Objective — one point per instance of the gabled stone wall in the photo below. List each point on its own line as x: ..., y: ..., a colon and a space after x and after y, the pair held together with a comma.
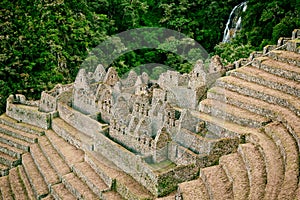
x: 23, y: 111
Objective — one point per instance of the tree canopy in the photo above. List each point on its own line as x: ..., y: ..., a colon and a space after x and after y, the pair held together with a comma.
x: 43, y: 43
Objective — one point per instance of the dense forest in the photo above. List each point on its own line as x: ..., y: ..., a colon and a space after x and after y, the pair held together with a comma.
x: 44, y: 42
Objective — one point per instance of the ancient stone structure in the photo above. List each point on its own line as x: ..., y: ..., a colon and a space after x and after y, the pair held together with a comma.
x: 109, y: 138
x: 259, y: 100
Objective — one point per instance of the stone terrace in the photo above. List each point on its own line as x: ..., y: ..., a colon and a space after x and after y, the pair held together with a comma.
x: 258, y: 102
x: 262, y: 100
x: 55, y: 169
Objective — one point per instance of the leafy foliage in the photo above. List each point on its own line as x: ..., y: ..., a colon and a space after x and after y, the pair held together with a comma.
x: 44, y: 42
x: 263, y: 23
x: 269, y: 20
x: 230, y: 52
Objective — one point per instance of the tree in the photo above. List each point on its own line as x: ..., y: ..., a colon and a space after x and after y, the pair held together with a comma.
x: 44, y: 43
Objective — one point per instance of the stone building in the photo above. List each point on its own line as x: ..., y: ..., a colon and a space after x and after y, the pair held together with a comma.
x: 142, y: 112
x: 206, y: 136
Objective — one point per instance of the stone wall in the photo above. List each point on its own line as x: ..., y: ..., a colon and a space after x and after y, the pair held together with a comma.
x: 181, y: 155
x: 124, y: 159
x: 159, y: 184
x: 28, y: 114
x: 168, y: 181
x: 194, y: 142
x: 48, y: 102
x: 294, y: 46
x: 21, y: 99
x: 80, y: 121
x: 188, y: 121
x: 140, y: 143
x: 85, y: 104
x: 127, y: 161
x: 185, y: 98
x: 83, y: 98
x: 169, y: 79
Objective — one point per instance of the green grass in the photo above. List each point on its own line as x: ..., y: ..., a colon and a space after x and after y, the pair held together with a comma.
x: 163, y: 166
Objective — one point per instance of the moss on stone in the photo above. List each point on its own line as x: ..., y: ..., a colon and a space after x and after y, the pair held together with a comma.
x: 166, y: 186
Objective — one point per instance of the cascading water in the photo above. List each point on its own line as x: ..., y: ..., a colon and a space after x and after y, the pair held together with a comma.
x: 234, y: 22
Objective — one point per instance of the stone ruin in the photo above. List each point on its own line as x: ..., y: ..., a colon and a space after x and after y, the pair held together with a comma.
x: 150, y: 119
x: 208, y: 136
x: 144, y: 115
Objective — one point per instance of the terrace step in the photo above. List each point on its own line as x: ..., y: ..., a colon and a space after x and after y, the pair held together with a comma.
x: 72, y: 135
x: 255, y: 168
x: 4, y: 170
x: 198, y: 144
x: 19, y: 192
x: 49, y: 197
x: 77, y: 187
x: 34, y: 176
x: 53, y: 157
x: 43, y: 165
x: 103, y: 167
x: 193, y: 190
x: 6, y: 191
x: 289, y: 151
x: 278, y: 68
x: 223, y: 128
x: 217, y: 183
x: 8, y: 160
x: 244, y: 102
x: 60, y: 192
x: 271, y: 156
x: 251, y: 104
x: 18, y: 134
x: 10, y: 150
x: 236, y: 172
x: 14, y: 142
x: 26, y: 183
x: 6, y: 120
x: 232, y: 113
x: 273, y: 111
x: 290, y: 120
x: 111, y: 195
x: 289, y: 57
x: 260, y: 92
x: 255, y: 75
x: 125, y: 185
x: 273, y: 162
x: 298, y: 193
x: 68, y: 152
x: 84, y: 171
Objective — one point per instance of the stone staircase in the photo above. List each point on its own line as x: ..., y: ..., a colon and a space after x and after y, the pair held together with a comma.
x: 124, y: 184
x: 261, y: 101
x: 72, y: 135
x: 15, y: 140
x: 52, y: 168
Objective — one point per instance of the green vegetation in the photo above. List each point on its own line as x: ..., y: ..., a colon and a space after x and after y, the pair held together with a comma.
x: 44, y: 42
x: 263, y: 23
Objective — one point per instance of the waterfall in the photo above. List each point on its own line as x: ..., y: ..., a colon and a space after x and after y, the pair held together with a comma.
x: 234, y: 22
